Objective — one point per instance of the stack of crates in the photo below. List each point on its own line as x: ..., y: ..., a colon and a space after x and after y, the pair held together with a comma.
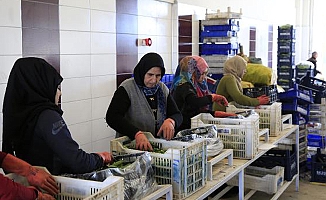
x: 286, y: 158
x: 317, y: 86
x: 218, y: 39
x: 261, y: 179
x: 318, y: 167
x: 304, y: 68
x: 285, y: 56
x: 241, y: 135
x: 316, y: 128
x: 167, y: 79
x: 297, y: 101
x: 183, y: 165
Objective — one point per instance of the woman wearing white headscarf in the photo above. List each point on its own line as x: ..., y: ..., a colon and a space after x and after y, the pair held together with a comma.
x: 230, y: 85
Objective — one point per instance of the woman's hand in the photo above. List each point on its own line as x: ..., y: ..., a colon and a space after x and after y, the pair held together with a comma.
x: 39, y: 178
x: 223, y: 114
x: 167, y: 129
x: 142, y: 142
x: 221, y: 100
x: 263, y: 99
x: 106, y: 156
x: 40, y: 195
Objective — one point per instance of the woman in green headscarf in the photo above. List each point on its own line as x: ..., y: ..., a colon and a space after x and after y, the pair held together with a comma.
x: 230, y: 85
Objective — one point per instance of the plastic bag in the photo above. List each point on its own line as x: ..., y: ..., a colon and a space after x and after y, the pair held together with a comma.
x: 138, y: 174
x: 209, y: 133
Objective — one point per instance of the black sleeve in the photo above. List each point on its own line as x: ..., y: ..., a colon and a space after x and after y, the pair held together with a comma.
x: 115, y: 115
x: 57, y: 136
x: 173, y: 111
x: 190, y: 97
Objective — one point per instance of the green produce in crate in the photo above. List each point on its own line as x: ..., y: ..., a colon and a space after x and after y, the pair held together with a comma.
x: 156, y: 148
x: 119, y: 164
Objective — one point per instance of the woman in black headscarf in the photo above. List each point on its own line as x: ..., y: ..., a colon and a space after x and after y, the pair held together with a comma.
x: 143, y: 104
x: 33, y: 127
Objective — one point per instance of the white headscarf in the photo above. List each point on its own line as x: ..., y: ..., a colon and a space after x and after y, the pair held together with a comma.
x: 235, y: 67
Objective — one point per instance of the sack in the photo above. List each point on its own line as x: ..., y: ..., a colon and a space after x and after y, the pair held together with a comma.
x: 258, y: 74
x: 209, y: 133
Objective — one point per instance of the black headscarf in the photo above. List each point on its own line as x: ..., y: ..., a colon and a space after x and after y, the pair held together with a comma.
x: 148, y: 61
x: 31, y: 89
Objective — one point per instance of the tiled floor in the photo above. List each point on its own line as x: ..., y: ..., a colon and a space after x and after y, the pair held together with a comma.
x: 307, y: 191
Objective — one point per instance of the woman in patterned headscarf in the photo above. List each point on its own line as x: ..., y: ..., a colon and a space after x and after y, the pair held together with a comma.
x: 190, y: 90
x: 143, y: 104
x: 230, y: 85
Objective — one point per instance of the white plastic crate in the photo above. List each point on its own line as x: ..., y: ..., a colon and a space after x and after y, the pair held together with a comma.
x: 241, y: 135
x: 183, y: 165
x: 216, y: 70
x: 77, y: 189
x: 261, y: 179
x: 220, y: 40
x: 224, y: 15
x: 270, y: 116
x: 215, y: 58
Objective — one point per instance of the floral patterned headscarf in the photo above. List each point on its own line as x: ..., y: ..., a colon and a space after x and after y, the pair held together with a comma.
x: 189, y: 70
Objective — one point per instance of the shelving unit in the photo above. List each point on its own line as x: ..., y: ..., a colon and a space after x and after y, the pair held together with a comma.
x: 285, y: 56
x: 218, y: 39
x: 226, y: 172
x: 162, y: 191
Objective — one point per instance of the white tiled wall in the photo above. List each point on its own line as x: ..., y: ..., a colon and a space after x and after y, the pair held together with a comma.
x: 155, y: 21
x: 88, y: 65
x: 10, y: 44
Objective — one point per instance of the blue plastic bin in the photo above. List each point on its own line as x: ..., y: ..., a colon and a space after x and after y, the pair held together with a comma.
x: 301, y: 94
x: 316, y: 141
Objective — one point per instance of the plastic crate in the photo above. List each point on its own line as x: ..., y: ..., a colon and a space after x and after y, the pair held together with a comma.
x: 77, y: 189
x: 215, y: 48
x: 285, y: 158
x: 299, y: 119
x: 285, y: 59
x: 287, y: 71
x: 219, y: 22
x: 220, y: 40
x: 225, y: 27
x: 167, y: 79
x: 318, y: 167
x: 297, y: 92
x: 286, y: 47
x: 270, y: 91
x: 261, y: 179
x: 223, y: 15
x: 314, y: 83
x: 286, y: 33
x: 316, y: 140
x: 270, y: 116
x: 183, y: 165
x: 241, y: 135
x: 212, y: 51
x: 294, y: 106
x: 218, y: 34
x: 216, y: 58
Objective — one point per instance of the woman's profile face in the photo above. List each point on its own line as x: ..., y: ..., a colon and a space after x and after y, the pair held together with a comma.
x: 57, y: 97
x: 243, y: 73
x: 152, y: 77
x: 203, y: 76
